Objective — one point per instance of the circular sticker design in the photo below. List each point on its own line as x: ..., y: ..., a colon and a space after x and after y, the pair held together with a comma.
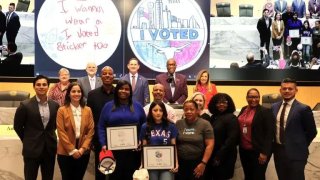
x: 74, y: 32
x: 163, y: 29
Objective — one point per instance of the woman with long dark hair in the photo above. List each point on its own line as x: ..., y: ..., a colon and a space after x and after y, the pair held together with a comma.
x: 122, y: 111
x: 75, y: 129
x: 159, y: 131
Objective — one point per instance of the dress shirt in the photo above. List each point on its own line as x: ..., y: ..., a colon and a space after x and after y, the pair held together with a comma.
x: 92, y: 81
x: 77, y: 119
x: 44, y: 111
x: 172, y: 85
x: 135, y: 78
x: 288, y: 107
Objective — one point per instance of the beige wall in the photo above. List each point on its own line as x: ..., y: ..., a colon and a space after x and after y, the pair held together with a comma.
x: 306, y: 94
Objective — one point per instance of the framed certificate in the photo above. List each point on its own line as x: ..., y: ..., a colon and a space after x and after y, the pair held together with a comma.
x: 294, y: 33
x: 159, y: 157
x: 306, y: 40
x: 122, y: 137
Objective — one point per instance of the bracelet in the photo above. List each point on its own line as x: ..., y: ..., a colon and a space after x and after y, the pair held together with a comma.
x: 204, y: 163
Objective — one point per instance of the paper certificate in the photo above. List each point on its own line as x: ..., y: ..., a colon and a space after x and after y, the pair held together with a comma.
x: 306, y: 40
x: 294, y: 33
x: 122, y: 137
x: 158, y: 157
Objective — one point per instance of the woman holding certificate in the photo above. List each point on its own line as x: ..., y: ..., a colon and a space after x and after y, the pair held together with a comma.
x: 194, y: 143
x: 159, y: 131
x: 118, y: 114
x: 293, y: 30
x: 75, y: 129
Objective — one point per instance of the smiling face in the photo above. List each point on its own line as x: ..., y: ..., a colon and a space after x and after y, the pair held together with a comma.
x: 133, y: 66
x: 41, y: 87
x: 190, y: 111
x: 288, y: 91
x: 204, y: 78
x: 253, y: 98
x: 171, y: 66
x: 64, y: 76
x: 107, y: 76
x: 157, y: 114
x: 158, y: 92
x: 124, y: 92
x: 91, y: 69
x: 222, y: 105
x: 75, y: 94
x: 199, y: 100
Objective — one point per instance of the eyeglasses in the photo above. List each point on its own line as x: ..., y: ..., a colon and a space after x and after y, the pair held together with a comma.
x: 253, y: 97
x: 222, y: 102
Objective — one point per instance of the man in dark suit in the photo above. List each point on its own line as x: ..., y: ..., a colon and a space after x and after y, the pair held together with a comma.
x: 175, y: 84
x: 295, y: 129
x: 299, y: 6
x: 140, y: 86
x: 314, y: 8
x: 2, y: 26
x: 13, y: 23
x: 91, y: 81
x: 35, y: 124
x: 280, y: 6
x: 96, y: 100
x: 14, y: 58
x: 263, y: 26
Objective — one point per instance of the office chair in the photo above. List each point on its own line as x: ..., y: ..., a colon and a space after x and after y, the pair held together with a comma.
x: 269, y: 99
x: 23, y: 5
x: 223, y: 9
x: 245, y: 10
x: 12, y: 98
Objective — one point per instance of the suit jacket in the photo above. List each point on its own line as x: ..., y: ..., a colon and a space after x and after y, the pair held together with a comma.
x: 276, y: 31
x: 85, y: 84
x: 29, y: 127
x: 262, y: 132
x: 13, y: 24
x: 13, y: 59
x: 300, y: 130
x: 299, y: 8
x: 3, y: 25
x: 141, y: 92
x: 181, y: 90
x: 66, y: 129
x: 277, y: 7
x: 263, y: 29
x: 313, y: 7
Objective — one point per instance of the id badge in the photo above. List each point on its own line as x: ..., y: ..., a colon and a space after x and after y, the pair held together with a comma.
x: 244, y: 130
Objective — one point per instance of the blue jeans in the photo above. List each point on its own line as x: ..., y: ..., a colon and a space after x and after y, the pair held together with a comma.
x: 160, y: 175
x: 306, y: 53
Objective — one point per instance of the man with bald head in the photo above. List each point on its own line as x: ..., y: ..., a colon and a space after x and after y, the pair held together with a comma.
x: 96, y: 100
x: 158, y: 95
x: 175, y: 84
x: 255, y: 64
x: 91, y: 81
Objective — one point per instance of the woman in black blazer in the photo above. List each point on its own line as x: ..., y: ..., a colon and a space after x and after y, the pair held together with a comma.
x: 256, y: 136
x: 226, y: 134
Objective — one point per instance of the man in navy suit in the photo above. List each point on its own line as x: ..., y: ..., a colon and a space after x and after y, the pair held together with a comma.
x: 35, y: 124
x: 2, y: 26
x: 175, y: 84
x: 295, y: 130
x: 13, y: 24
x: 140, y: 86
x: 299, y: 6
x: 263, y: 26
x: 314, y: 8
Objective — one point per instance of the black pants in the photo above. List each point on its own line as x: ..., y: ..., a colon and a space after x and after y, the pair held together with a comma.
x: 250, y: 164
x: 262, y: 43
x: 286, y: 168
x: 97, y: 149
x: 46, y: 163
x: 11, y: 36
x: 73, y: 169
x: 127, y: 161
x: 186, y: 168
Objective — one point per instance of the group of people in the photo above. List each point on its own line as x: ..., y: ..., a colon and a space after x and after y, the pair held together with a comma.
x: 205, y: 137
x: 10, y: 24
x: 295, y: 33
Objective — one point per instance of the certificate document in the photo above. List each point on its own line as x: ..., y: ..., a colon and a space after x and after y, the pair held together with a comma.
x: 122, y: 137
x: 294, y: 33
x: 306, y: 40
x: 159, y: 157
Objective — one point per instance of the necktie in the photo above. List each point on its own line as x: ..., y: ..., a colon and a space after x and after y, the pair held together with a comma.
x: 8, y: 17
x: 133, y: 83
x: 281, y: 132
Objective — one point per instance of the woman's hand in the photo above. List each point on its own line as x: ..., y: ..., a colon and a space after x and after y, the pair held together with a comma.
x: 199, y: 170
x: 104, y: 148
x: 76, y: 155
x: 175, y: 169
x: 262, y: 158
